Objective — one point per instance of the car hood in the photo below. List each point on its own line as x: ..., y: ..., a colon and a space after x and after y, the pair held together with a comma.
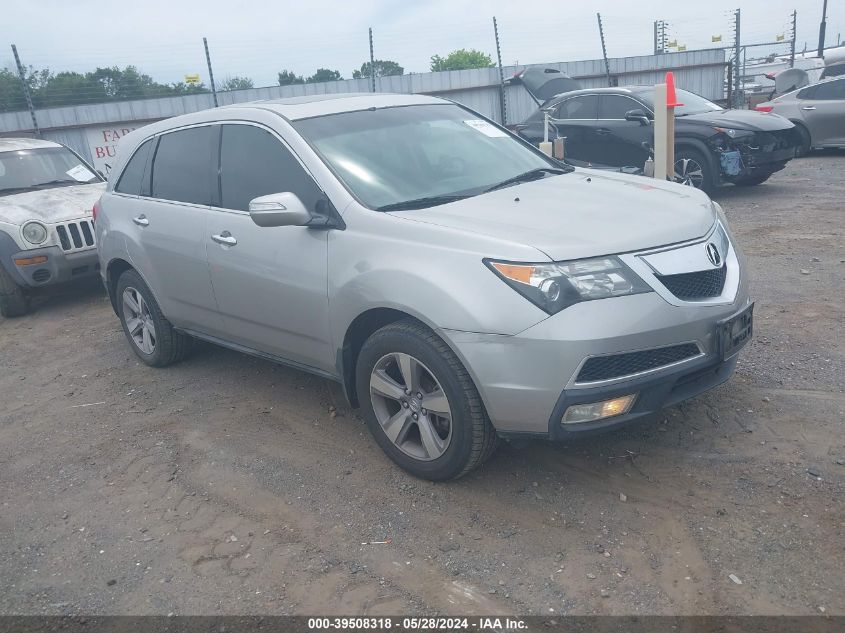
x: 582, y: 214
x: 50, y: 205
x: 740, y: 119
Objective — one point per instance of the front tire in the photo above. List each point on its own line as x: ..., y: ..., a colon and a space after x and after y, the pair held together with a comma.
x: 421, y: 404
x: 806, y: 141
x: 150, y: 334
x: 692, y: 168
x: 14, y: 300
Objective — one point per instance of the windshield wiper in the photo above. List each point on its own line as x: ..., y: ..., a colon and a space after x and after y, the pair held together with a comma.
x: 534, y: 174
x: 63, y: 181
x: 421, y: 203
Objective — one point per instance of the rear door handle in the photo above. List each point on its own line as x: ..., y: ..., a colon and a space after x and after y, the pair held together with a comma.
x: 808, y: 107
x: 602, y: 130
x: 225, y: 238
x: 141, y: 220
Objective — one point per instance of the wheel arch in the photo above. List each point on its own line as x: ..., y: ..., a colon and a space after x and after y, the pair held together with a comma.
x: 701, y: 147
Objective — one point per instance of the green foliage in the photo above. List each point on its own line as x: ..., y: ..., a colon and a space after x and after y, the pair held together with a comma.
x: 461, y: 59
x: 324, y: 74
x: 237, y: 83
x: 288, y: 78
x: 383, y: 68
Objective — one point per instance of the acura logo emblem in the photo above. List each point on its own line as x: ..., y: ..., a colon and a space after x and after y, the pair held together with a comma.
x: 713, y: 254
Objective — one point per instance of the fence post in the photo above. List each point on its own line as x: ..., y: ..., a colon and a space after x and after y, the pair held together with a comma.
x: 502, y: 105
x: 372, y: 64
x: 210, y: 74
x: 604, y: 50
x: 737, y: 96
x: 792, y: 43
x: 25, y: 88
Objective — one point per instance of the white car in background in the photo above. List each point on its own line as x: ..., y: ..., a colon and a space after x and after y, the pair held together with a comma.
x: 47, y: 193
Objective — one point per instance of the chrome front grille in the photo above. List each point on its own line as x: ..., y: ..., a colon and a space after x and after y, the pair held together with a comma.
x: 76, y: 235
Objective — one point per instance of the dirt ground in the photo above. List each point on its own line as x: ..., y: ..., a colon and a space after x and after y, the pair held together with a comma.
x: 228, y: 485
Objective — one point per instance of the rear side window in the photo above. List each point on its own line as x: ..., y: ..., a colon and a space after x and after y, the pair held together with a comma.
x: 615, y: 107
x: 830, y: 90
x: 579, y: 108
x: 183, y: 169
x: 133, y: 174
x: 255, y: 163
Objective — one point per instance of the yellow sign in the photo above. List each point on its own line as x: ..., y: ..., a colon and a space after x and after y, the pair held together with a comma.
x: 672, y: 44
x: 682, y: 48
x: 780, y: 38
x: 716, y: 38
x: 192, y: 79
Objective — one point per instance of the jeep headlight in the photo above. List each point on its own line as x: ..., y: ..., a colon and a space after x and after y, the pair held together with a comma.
x: 34, y: 232
x: 554, y: 286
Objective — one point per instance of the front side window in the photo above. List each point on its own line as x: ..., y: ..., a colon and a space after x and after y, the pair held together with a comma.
x: 254, y: 163
x: 183, y: 170
x: 585, y: 107
x: 42, y: 168
x: 830, y: 90
x: 389, y: 156
x: 615, y: 107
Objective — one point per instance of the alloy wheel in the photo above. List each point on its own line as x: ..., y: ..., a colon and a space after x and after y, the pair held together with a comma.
x: 411, y: 406
x: 689, y: 171
x: 139, y: 321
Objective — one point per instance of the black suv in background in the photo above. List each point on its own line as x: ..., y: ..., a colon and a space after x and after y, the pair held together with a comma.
x: 612, y: 127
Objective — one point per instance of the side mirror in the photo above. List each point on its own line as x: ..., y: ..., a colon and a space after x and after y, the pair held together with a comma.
x: 637, y: 115
x: 279, y: 209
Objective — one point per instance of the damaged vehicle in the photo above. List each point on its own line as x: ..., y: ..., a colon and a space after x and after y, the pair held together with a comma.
x: 613, y: 128
x: 47, y: 193
x: 457, y: 282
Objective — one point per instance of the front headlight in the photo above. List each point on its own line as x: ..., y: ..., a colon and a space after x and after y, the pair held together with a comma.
x: 557, y: 285
x: 34, y: 232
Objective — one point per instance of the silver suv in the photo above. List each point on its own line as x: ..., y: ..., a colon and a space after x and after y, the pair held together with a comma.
x: 459, y: 284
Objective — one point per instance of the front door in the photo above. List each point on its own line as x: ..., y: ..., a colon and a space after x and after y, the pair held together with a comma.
x: 270, y: 283
x: 621, y: 143
x: 824, y: 113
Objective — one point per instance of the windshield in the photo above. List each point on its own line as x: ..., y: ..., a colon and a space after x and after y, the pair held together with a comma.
x: 31, y: 169
x: 693, y: 104
x: 426, y: 153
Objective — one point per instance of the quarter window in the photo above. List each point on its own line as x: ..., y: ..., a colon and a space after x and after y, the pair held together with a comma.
x: 578, y: 108
x: 183, y: 168
x: 615, y: 107
x: 254, y: 163
x: 133, y: 174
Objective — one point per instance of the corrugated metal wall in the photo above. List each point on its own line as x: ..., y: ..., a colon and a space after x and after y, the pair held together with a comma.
x: 701, y: 72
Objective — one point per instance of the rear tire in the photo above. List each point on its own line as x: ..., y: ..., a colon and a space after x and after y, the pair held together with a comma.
x: 150, y: 334
x: 806, y: 141
x: 14, y: 300
x: 693, y: 168
x: 430, y: 446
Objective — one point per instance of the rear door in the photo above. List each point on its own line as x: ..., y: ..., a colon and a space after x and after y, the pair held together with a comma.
x: 575, y: 119
x: 619, y: 143
x: 823, y: 110
x: 166, y: 225
x: 270, y: 282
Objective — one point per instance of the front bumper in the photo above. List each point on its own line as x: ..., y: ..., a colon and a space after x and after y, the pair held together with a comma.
x: 60, y: 267
x: 527, y: 380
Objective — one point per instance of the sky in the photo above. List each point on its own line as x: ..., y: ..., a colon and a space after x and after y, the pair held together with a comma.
x: 257, y: 38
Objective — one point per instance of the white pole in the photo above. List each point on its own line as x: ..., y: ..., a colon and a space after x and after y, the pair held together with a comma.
x: 661, y: 120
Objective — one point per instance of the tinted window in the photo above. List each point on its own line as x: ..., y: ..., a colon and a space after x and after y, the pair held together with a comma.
x: 830, y: 90
x: 578, y: 108
x: 133, y: 174
x: 615, y: 107
x: 182, y: 168
x: 254, y: 163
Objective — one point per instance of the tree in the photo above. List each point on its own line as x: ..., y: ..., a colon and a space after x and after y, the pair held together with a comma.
x: 237, y: 83
x: 288, y: 78
x: 383, y: 68
x: 461, y: 59
x: 324, y: 74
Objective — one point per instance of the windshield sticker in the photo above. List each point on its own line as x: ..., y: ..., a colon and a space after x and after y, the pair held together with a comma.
x: 80, y: 173
x: 486, y: 128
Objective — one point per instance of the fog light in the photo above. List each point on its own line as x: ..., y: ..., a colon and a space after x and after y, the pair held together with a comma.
x: 29, y: 261
x: 598, y: 410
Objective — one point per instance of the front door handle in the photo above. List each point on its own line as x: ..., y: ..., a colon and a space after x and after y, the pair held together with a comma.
x: 141, y: 220
x: 225, y: 238
x: 602, y: 131
x: 808, y: 107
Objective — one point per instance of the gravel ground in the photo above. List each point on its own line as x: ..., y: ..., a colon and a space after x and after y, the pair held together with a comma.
x: 228, y: 485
